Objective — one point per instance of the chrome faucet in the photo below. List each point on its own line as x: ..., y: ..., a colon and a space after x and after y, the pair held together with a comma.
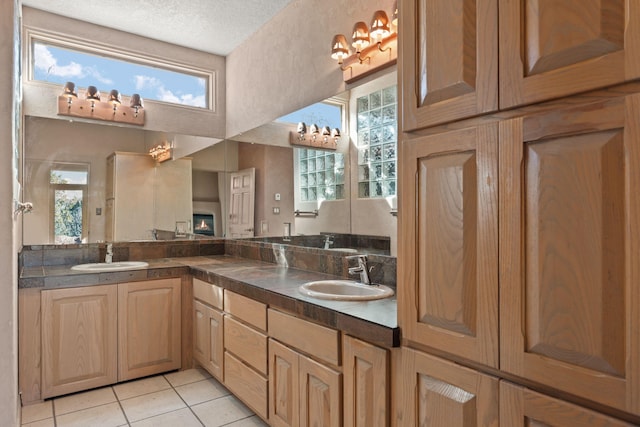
x: 328, y: 241
x: 362, y: 268
x: 108, y: 258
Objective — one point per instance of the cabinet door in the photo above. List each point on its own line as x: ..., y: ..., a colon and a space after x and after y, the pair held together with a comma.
x: 448, y: 274
x: 79, y: 339
x: 366, y: 384
x: 522, y: 407
x: 148, y: 328
x: 208, y: 341
x: 550, y: 49
x: 283, y: 385
x: 449, y: 60
x: 570, y: 245
x: 320, y: 395
x: 434, y: 392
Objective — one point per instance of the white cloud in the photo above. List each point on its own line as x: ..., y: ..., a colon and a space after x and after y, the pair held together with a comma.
x: 186, y: 99
x: 144, y: 82
x: 45, y: 61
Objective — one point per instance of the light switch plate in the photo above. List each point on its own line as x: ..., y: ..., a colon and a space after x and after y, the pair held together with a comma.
x: 276, y: 210
x: 277, y: 196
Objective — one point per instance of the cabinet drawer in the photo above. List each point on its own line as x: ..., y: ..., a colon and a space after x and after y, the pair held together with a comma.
x: 246, y: 343
x: 246, y: 309
x: 246, y: 383
x: 208, y: 293
x: 315, y: 340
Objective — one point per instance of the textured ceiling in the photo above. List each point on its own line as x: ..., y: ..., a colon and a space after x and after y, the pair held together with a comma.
x: 215, y: 26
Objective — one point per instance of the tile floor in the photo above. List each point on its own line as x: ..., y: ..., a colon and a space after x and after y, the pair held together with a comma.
x: 186, y: 398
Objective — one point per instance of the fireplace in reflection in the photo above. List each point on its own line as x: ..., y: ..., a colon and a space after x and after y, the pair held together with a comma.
x: 203, y: 223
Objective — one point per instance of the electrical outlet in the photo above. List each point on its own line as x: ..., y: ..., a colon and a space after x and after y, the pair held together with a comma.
x: 276, y: 210
x: 98, y: 211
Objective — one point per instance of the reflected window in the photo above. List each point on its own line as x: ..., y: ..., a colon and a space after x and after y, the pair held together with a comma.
x: 68, y: 188
x: 377, y: 143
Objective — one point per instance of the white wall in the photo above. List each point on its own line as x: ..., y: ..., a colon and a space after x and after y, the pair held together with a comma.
x: 286, y: 64
x: 9, y: 228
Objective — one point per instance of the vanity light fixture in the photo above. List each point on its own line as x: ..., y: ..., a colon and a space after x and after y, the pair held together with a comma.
x: 92, y: 107
x: 310, y: 139
x: 375, y: 46
x: 162, y: 152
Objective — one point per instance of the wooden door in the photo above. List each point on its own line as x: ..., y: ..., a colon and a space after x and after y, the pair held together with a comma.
x: 241, y: 203
x: 79, y: 339
x: 208, y: 336
x: 550, y: 49
x: 569, y: 250
x: 449, y: 60
x: 283, y: 386
x: 448, y: 269
x: 148, y: 328
x: 320, y: 395
x: 173, y: 199
x: 521, y: 407
x: 437, y: 393
x: 366, y: 384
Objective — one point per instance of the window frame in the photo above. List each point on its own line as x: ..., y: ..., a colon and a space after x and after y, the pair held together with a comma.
x: 92, y: 47
x: 79, y: 167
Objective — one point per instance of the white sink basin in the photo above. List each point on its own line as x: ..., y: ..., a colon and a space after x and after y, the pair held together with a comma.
x: 350, y: 250
x: 345, y: 290
x: 99, y: 267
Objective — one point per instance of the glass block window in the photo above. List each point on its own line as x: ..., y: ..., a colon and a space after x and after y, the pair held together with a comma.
x: 321, y: 175
x: 377, y: 143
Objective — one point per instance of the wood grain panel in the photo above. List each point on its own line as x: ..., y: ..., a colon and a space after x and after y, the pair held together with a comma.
x: 554, y: 48
x: 247, y: 384
x: 79, y: 339
x: 246, y: 343
x: 436, y: 392
x: 320, y: 395
x: 208, y: 293
x: 447, y: 246
x: 148, y: 327
x: 29, y: 345
x: 208, y: 339
x: 366, y: 384
x: 246, y: 309
x: 523, y: 407
x: 449, y: 60
x: 569, y: 250
x: 448, y: 280
x: 283, y: 385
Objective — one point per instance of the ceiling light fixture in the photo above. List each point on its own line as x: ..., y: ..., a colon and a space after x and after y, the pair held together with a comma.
x: 375, y: 46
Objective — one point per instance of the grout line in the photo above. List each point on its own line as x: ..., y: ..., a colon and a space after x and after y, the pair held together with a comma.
x: 185, y: 402
x: 120, y: 405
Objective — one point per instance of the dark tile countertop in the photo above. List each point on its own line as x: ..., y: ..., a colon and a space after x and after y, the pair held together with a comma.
x: 372, y: 321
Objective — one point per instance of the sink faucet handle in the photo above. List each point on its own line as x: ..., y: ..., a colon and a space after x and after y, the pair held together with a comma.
x: 362, y: 268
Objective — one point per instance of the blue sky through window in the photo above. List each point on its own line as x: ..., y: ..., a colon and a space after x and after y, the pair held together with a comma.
x: 58, y: 65
x: 320, y: 113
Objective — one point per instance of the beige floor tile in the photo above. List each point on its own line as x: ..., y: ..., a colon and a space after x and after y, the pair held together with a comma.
x: 254, y: 421
x: 109, y: 415
x: 88, y: 399
x: 42, y: 423
x: 139, y: 387
x: 221, y: 411
x: 37, y: 412
x: 201, y: 391
x: 149, y: 405
x: 188, y: 376
x: 181, y: 417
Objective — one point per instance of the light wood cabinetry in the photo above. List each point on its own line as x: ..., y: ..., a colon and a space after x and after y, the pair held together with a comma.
x: 523, y: 407
x: 570, y: 245
x: 449, y: 60
x: 149, y: 327
x: 79, y: 339
x: 366, y: 384
x: 448, y: 274
x: 554, y: 49
x: 208, y: 333
x: 436, y: 392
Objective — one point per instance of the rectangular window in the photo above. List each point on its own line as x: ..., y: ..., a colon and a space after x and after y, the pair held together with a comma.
x: 377, y: 143
x: 56, y: 64
x: 68, y: 185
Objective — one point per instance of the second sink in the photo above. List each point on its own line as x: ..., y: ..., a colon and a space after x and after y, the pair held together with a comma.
x: 345, y: 290
x: 99, y: 267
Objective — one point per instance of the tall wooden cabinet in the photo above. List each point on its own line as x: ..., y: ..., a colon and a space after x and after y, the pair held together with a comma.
x: 208, y: 332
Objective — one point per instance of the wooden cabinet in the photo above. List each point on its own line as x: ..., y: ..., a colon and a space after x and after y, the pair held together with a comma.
x: 208, y: 334
x: 208, y: 338
x: 366, y: 384
x: 570, y: 245
x: 148, y: 327
x: 436, y: 392
x: 449, y: 60
x: 79, y: 339
x: 523, y: 407
x: 550, y: 49
x: 448, y: 274
x: 303, y: 392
